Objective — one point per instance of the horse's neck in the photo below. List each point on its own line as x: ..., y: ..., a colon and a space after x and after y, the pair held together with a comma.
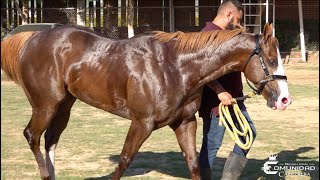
x: 211, y: 64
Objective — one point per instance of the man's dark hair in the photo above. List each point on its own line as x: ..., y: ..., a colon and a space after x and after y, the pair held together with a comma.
x: 227, y: 3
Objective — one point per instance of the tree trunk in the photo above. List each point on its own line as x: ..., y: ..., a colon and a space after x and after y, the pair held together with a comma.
x: 24, y: 13
x: 130, y: 18
x: 123, y: 13
x: 81, y: 13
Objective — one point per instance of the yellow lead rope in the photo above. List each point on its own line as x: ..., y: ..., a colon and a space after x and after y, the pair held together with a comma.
x: 245, y: 129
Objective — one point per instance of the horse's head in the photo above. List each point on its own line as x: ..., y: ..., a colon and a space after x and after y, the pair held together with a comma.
x: 268, y: 76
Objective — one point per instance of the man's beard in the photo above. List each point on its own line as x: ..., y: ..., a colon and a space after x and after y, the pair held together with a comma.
x: 231, y: 25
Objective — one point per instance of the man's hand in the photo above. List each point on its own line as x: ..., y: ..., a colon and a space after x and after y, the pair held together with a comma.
x: 223, y: 95
x: 225, y: 98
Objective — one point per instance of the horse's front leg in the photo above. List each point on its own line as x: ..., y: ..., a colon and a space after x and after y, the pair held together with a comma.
x: 138, y: 132
x: 186, y: 135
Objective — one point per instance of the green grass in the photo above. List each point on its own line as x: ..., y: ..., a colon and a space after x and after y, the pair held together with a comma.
x: 91, y: 144
x: 301, y: 91
x: 97, y: 135
x: 304, y: 91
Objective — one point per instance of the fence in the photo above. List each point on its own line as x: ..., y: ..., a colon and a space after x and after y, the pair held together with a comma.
x: 113, y: 21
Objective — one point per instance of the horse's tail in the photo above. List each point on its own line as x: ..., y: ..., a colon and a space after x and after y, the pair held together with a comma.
x: 10, y: 54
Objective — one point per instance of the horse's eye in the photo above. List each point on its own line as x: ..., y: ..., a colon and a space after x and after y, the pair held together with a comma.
x: 273, y: 62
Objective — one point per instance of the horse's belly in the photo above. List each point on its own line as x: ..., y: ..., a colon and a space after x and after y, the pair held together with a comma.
x: 101, y: 102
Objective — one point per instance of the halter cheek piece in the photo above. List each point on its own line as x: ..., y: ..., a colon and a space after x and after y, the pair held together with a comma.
x: 268, y: 77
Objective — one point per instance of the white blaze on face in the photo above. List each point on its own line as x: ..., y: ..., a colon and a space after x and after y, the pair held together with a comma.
x: 284, y: 98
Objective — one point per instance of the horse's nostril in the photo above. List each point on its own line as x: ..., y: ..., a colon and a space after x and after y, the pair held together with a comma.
x: 284, y: 100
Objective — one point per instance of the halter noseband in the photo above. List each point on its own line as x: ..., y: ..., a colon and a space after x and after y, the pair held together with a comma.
x: 268, y: 77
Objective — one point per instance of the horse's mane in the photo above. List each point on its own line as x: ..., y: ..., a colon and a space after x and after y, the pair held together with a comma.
x: 192, y: 41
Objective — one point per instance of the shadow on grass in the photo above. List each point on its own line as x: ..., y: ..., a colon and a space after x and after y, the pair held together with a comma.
x: 173, y: 164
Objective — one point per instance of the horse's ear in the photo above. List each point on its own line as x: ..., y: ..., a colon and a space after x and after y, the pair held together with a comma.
x: 267, y: 31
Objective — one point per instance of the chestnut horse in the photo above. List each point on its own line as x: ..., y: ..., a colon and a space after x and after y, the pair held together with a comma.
x: 153, y: 79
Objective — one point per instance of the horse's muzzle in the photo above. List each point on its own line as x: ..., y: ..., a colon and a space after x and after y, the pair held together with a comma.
x: 282, y: 102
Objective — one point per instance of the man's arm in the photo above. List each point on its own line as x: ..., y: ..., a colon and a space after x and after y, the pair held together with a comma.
x: 223, y: 95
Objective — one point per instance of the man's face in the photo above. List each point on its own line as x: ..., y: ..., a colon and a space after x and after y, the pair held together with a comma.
x: 235, y: 20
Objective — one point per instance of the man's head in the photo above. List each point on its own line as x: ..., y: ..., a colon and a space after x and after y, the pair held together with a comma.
x: 229, y: 14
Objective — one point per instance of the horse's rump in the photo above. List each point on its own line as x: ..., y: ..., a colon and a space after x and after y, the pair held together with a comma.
x: 10, y: 50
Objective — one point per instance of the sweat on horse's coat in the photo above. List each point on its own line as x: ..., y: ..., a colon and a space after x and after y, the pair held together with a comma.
x: 152, y: 79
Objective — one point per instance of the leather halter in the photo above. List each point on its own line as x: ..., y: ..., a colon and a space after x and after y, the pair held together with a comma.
x: 268, y: 77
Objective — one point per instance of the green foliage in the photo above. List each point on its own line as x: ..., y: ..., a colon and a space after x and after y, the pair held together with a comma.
x: 3, y: 32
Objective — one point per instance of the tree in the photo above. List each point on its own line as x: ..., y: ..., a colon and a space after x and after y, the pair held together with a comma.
x: 130, y: 18
x: 81, y: 12
x: 24, y: 13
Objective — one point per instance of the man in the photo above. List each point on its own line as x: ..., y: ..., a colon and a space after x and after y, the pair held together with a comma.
x: 222, y: 90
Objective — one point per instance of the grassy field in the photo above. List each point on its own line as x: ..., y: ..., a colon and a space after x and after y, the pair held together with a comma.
x: 90, y: 146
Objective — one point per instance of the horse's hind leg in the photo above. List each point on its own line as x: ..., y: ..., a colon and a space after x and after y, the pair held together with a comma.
x: 186, y: 132
x: 137, y: 134
x: 44, y: 104
x: 38, y: 124
x: 58, y: 124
